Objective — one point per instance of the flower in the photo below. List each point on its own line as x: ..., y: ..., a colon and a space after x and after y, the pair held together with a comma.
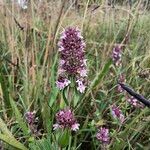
x: 103, y: 135
x: 75, y: 127
x: 134, y: 102
x: 116, y: 55
x: 71, y: 47
x: 81, y: 87
x: 61, y: 83
x: 83, y: 72
x: 72, y: 62
x: 117, y: 114
x: 65, y: 119
x: 30, y: 117
x: 32, y: 121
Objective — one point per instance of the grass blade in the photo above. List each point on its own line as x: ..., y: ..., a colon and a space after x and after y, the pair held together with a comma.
x: 18, y: 116
x: 9, y: 138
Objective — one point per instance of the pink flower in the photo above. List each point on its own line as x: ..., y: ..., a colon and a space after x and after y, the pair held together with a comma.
x: 61, y: 62
x: 61, y: 71
x: 117, y: 114
x: 65, y: 119
x: 56, y: 126
x: 30, y: 117
x: 83, y: 72
x: 62, y: 83
x: 71, y: 46
x: 81, y: 87
x: 103, y: 135
x: 134, y: 102
x: 75, y: 127
x: 116, y: 55
x: 72, y: 57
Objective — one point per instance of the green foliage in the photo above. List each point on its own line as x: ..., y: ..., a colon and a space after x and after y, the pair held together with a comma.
x: 28, y: 73
x: 7, y: 137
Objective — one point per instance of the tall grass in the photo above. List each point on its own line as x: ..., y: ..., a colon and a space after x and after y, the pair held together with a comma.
x: 28, y: 72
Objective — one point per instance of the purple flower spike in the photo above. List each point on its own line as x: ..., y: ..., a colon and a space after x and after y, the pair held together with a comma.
x: 103, y: 135
x: 32, y: 121
x: 117, y: 114
x: 116, y: 55
x: 30, y: 117
x: 65, y: 119
x: 71, y: 47
x: 72, y: 59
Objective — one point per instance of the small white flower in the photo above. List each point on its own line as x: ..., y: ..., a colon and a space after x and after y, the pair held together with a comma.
x: 81, y: 87
x: 23, y: 4
x: 75, y: 127
x: 83, y: 73
x: 62, y: 84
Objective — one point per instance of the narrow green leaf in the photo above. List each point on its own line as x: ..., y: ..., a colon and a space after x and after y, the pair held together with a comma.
x: 5, y: 91
x: 53, y: 96
x: 8, y: 137
x: 19, y: 117
x: 3, y: 128
x: 97, y: 80
x: 64, y: 97
x: 46, y: 115
x: 54, y: 89
x: 63, y: 139
x: 12, y: 141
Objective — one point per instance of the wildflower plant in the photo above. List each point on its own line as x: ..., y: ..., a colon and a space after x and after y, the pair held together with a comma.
x: 103, y: 135
x: 65, y: 119
x: 30, y: 117
x: 31, y: 120
x: 72, y: 112
x: 72, y: 63
x: 72, y: 70
x: 134, y: 102
x: 117, y: 114
x: 121, y: 79
x: 116, y: 56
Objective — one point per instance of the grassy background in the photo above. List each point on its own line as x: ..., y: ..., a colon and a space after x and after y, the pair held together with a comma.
x: 28, y: 71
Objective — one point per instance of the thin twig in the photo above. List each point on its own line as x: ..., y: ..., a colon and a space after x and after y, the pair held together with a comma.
x: 135, y: 95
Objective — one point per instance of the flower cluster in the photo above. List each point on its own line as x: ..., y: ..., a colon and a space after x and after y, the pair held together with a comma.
x: 103, y: 135
x: 32, y: 121
x: 65, y: 119
x: 134, y: 102
x: 116, y: 55
x: 72, y: 60
x: 117, y: 114
x: 30, y: 117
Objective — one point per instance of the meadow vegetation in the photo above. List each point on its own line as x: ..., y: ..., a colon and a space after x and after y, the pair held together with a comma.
x: 29, y: 60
